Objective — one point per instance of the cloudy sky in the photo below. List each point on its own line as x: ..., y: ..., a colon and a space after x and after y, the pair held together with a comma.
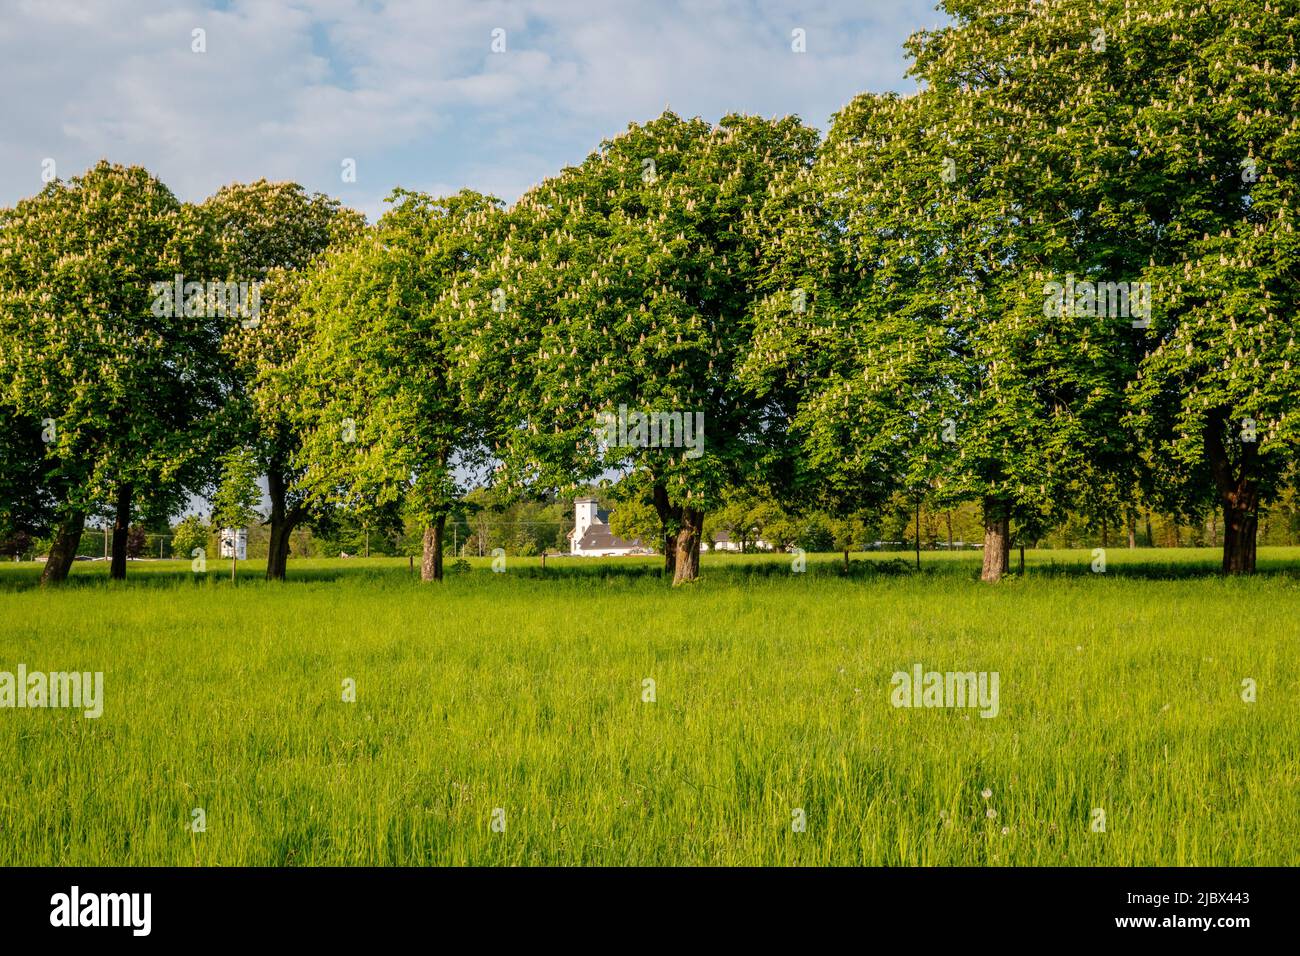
x: 413, y: 92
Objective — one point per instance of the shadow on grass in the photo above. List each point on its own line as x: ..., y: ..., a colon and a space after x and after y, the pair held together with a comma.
x: 587, y: 572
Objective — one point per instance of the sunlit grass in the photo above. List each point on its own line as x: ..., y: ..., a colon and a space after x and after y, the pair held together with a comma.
x: 523, y: 691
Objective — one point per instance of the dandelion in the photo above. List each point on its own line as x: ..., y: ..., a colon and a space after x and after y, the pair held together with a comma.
x: 1006, y: 830
x: 990, y: 813
x: 986, y: 793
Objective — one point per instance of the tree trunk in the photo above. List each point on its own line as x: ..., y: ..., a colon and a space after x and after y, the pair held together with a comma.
x: 1022, y: 559
x: 121, y: 525
x: 1240, y: 523
x: 63, y: 550
x: 1239, y: 495
x: 1151, y: 541
x: 431, y: 559
x: 668, y: 517
x: 846, y: 560
x: 1132, y: 530
x: 1105, y: 535
x: 997, y: 540
x: 948, y: 518
x: 277, y: 554
x: 283, y: 520
x: 688, y: 547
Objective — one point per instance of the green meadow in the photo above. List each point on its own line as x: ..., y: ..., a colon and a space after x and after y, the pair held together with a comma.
x: 509, y: 719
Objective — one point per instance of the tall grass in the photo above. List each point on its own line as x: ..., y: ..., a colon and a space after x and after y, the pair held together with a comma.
x: 524, y: 691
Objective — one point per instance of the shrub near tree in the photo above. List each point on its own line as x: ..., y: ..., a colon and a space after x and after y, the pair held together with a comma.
x: 235, y: 503
x: 189, y: 535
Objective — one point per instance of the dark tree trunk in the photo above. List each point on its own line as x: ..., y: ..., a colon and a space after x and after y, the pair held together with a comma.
x: 948, y: 518
x: 688, y: 547
x: 1240, y: 524
x: 1151, y: 541
x: 1239, y: 496
x: 63, y: 550
x: 1022, y: 559
x: 277, y: 555
x: 997, y: 540
x: 121, y: 525
x: 431, y: 559
x: 283, y: 520
x: 846, y: 560
x: 1105, y: 535
x: 669, y: 517
x: 1132, y: 530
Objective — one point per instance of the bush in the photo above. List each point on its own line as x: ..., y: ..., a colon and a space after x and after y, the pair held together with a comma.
x: 189, y: 534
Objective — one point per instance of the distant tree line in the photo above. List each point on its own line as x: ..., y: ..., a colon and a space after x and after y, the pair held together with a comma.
x: 1058, y: 284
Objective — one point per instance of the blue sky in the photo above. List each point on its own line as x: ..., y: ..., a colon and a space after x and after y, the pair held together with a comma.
x: 412, y: 91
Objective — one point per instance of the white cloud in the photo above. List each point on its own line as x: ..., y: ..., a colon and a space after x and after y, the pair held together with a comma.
x: 409, y: 89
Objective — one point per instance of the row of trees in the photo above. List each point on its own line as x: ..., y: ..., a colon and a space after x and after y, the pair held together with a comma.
x: 921, y: 304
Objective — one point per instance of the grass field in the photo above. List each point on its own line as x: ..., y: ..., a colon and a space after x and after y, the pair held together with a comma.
x: 524, y: 690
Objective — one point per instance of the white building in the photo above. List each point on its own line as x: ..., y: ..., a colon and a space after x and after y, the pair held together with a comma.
x: 722, y: 541
x: 591, y: 537
x: 234, y: 543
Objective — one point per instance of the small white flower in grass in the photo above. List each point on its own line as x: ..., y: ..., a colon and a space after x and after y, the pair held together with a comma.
x: 1006, y: 830
x: 990, y: 813
x: 986, y: 793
